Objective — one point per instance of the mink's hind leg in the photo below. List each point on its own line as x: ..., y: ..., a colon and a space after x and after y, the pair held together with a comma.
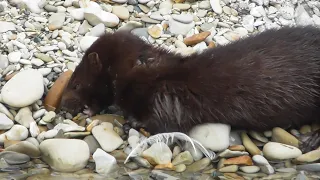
x: 310, y: 141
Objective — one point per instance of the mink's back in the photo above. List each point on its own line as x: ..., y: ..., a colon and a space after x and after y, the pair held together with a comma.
x: 260, y: 82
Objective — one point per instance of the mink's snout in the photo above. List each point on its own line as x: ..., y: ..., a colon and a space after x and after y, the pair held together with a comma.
x: 71, y: 105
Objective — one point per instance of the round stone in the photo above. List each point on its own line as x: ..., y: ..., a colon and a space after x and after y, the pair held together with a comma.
x: 23, y: 89
x: 65, y: 155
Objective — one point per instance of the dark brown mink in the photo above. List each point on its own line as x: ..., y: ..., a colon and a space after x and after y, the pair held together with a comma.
x: 270, y: 79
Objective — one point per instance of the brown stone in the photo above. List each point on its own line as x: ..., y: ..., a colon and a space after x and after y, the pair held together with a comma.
x: 43, y: 128
x: 119, y: 155
x: 211, y: 44
x: 8, y: 77
x: 169, y: 166
x: 53, y: 98
x: 165, y: 26
x: 241, y: 160
x: 7, y: 143
x: 197, y: 38
x: 250, y: 146
x: 179, y: 1
x: 237, y: 148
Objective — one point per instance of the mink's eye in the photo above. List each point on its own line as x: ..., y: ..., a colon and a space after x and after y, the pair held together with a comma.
x: 77, y: 87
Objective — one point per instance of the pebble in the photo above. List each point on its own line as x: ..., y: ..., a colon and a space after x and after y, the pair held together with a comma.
x: 198, y: 165
x: 25, y: 147
x: 212, y: 136
x: 121, y: 11
x: 14, y: 158
x: 5, y: 122
x: 107, y: 138
x: 197, y: 38
x: 216, y: 7
x: 183, y: 18
x: 279, y: 151
x: 16, y: 133
x: 155, y: 31
x: 56, y: 21
x: 97, y: 30
x: 158, y: 153
x: 105, y: 163
x: 7, y: 26
x: 311, y: 156
x: 282, y: 136
x: 249, y: 145
x: 177, y: 27
x: 231, y: 168
x: 24, y: 117
x: 71, y: 154
x: 14, y: 57
x: 250, y: 169
x: 86, y: 42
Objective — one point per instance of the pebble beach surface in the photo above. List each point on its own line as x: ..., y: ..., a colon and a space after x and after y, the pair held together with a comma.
x: 43, y: 41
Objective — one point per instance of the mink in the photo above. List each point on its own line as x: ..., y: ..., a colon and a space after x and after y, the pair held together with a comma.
x: 269, y: 79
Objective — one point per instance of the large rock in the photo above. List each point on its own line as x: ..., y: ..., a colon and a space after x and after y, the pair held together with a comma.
x: 23, y: 89
x: 65, y: 155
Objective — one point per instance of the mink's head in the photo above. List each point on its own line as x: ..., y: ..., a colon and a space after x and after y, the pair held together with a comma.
x: 88, y: 87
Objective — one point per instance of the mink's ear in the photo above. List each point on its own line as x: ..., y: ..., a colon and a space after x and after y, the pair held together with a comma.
x: 95, y: 63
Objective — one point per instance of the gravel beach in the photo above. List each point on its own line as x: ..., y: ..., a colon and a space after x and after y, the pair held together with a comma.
x: 43, y: 41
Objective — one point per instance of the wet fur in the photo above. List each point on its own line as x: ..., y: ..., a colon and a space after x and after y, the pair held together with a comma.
x: 263, y: 81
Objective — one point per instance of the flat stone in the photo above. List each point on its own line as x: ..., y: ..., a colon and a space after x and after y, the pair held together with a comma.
x: 250, y: 146
x: 183, y: 158
x: 309, y: 167
x: 241, y: 160
x: 231, y: 168
x: 279, y: 151
x: 92, y: 143
x: 228, y: 154
x: 25, y: 147
x: 121, y: 11
x: 5, y: 122
x: 198, y: 165
x: 108, y: 139
x: 56, y: 21
x: 282, y: 136
x: 250, y: 169
x: 13, y: 158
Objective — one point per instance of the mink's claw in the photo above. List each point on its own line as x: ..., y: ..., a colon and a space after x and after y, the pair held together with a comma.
x: 88, y: 111
x: 310, y: 141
